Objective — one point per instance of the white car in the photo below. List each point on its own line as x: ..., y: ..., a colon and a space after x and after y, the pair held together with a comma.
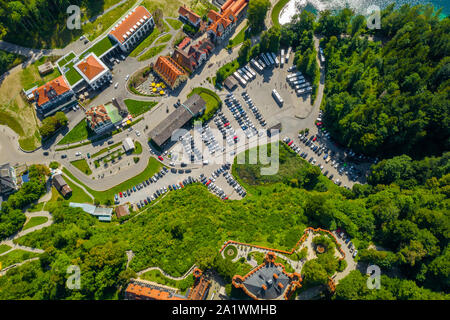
x: 138, y: 133
x: 116, y: 85
x: 126, y: 78
x: 78, y: 154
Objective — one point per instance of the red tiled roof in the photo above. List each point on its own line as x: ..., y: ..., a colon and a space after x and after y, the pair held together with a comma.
x: 57, y: 87
x: 168, y: 69
x: 146, y: 292
x: 133, y: 19
x: 97, y: 115
x: 90, y: 67
x: 184, y: 43
x: 189, y: 14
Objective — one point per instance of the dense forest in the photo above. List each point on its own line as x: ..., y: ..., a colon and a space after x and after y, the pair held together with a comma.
x: 33, y: 23
x: 9, y: 60
x: 388, y: 97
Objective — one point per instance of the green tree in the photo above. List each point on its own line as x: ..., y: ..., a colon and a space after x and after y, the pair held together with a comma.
x: 256, y: 14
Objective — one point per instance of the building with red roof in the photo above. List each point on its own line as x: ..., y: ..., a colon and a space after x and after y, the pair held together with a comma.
x: 52, y: 96
x: 93, y: 71
x: 129, y: 31
x: 221, y: 25
x: 189, y: 16
x: 170, y: 71
x: 194, y: 55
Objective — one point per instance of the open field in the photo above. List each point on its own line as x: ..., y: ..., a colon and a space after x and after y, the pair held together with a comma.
x: 78, y: 133
x: 136, y: 107
x: 34, y: 221
x: 16, y: 113
x: 82, y: 165
x: 152, y: 167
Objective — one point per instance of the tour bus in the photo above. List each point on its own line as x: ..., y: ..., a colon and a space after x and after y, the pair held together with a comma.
x: 269, y: 58
x: 252, y: 72
x: 248, y: 74
x: 261, y: 63
x: 297, y: 82
x: 288, y: 54
x: 243, y: 75
x: 266, y: 61
x: 282, y: 54
x: 281, y: 61
x: 304, y: 85
x: 274, y: 56
x: 239, y: 78
x: 322, y: 56
x: 295, y: 78
x: 277, y: 97
x: 256, y: 65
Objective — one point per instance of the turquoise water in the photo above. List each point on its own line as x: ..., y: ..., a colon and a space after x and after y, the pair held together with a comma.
x: 360, y: 6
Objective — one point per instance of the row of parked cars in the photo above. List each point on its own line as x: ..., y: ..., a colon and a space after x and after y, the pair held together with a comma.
x: 209, y: 183
x: 254, y: 109
x: 232, y: 182
x: 171, y: 187
x: 143, y: 184
x: 341, y: 234
x: 240, y: 115
x: 189, y: 146
x: 225, y: 127
x: 209, y: 140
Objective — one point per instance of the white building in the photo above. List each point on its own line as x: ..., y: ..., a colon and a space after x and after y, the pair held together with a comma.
x: 93, y: 71
x: 132, y: 28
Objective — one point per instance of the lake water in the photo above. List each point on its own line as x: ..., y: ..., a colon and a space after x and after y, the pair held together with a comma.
x: 360, y: 6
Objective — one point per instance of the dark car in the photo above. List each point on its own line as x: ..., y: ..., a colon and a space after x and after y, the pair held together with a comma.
x: 45, y: 153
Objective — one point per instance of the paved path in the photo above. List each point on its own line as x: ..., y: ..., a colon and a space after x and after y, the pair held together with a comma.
x: 168, y: 275
x: 79, y: 185
x: 5, y: 270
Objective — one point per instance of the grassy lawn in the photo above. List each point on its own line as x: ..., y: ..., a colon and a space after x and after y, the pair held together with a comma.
x: 4, y: 248
x: 169, y: 7
x: 150, y: 53
x: 82, y: 165
x: 276, y: 11
x: 213, y: 102
x: 100, y: 47
x: 164, y: 38
x: 78, y: 194
x: 158, y: 277
x: 240, y: 37
x: 145, y: 43
x: 66, y: 59
x: 72, y: 75
x: 36, y: 207
x: 136, y: 107
x: 34, y: 221
x: 175, y: 24
x: 137, y: 147
x: 102, y: 151
x: 16, y: 256
x: 78, y: 133
x: 153, y: 166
